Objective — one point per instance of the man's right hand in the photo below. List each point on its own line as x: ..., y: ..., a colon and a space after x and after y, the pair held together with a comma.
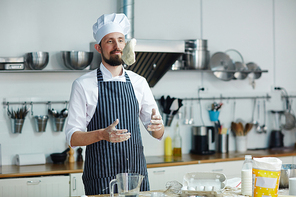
x: 111, y: 134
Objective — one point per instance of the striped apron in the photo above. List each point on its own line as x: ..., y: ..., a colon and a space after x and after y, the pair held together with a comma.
x: 103, y: 159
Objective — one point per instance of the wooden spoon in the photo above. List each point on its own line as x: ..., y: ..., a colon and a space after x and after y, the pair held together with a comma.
x: 234, y: 128
x: 248, y: 128
x: 241, y: 128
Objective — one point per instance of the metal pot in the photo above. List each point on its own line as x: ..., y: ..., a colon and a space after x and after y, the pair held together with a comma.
x: 196, y: 59
x: 196, y: 44
x: 287, y: 171
x: 196, y: 55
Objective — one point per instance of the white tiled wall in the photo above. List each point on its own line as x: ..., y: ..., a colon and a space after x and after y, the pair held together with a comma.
x: 248, y: 26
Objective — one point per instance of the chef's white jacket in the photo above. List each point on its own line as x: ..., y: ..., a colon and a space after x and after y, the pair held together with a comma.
x: 84, y: 98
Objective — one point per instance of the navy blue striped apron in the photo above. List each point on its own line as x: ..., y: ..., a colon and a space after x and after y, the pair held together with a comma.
x: 103, y: 159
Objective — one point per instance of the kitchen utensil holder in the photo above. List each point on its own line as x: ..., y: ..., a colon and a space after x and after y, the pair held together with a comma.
x: 41, y: 122
x: 17, y: 125
x: 58, y: 124
x: 168, y: 119
x: 222, y: 143
x: 241, y: 143
x: 214, y: 115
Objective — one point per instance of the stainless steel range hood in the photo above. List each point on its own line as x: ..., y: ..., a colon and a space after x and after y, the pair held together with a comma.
x: 153, y: 58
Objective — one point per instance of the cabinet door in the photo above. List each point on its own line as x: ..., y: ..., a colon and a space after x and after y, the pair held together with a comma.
x: 231, y: 169
x: 51, y: 186
x: 286, y: 160
x: 76, y: 184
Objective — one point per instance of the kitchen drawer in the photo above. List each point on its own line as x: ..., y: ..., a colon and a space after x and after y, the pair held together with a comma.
x: 51, y: 186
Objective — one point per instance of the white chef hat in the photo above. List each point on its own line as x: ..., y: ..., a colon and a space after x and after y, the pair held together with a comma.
x: 109, y: 23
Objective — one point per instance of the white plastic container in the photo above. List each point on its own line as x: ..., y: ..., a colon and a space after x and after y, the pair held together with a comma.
x: 246, y: 176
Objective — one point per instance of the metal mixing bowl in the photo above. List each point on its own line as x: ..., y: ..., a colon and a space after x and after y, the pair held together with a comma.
x: 287, y: 171
x: 36, y: 60
x: 77, y: 60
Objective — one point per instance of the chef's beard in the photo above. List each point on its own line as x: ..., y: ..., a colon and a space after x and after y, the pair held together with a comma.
x: 114, y: 60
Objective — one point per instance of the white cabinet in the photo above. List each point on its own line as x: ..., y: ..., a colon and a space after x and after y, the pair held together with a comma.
x: 287, y: 160
x: 50, y: 186
x: 158, y: 177
x: 231, y: 169
x: 76, y: 184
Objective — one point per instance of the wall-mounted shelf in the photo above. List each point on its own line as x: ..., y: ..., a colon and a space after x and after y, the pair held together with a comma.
x: 227, y: 71
x: 43, y: 71
x: 221, y: 97
x: 6, y: 103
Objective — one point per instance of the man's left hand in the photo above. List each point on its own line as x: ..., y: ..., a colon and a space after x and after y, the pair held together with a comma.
x: 156, y: 122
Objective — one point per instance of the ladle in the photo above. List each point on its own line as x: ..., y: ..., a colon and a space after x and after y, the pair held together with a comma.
x: 255, y: 123
x: 191, y: 121
x: 258, y: 127
x: 264, y: 127
x: 186, y: 120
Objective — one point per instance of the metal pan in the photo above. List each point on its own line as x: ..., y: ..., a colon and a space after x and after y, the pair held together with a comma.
x: 254, y: 67
x: 240, y: 69
x: 221, y: 66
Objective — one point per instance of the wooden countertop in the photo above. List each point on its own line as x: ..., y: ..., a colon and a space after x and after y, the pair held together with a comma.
x: 10, y: 171
x: 187, y: 159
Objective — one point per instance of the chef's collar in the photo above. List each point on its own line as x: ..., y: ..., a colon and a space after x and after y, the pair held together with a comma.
x: 107, y: 75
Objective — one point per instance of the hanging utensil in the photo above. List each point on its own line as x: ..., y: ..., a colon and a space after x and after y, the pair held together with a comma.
x: 255, y: 123
x: 9, y: 113
x: 174, y: 106
x: 191, y: 121
x: 170, y: 116
x: 233, y: 124
x: 64, y: 113
x: 264, y: 127
x: 255, y: 73
x: 258, y: 127
x: 186, y: 120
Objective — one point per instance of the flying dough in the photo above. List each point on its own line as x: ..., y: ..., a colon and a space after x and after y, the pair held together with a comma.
x: 128, y: 52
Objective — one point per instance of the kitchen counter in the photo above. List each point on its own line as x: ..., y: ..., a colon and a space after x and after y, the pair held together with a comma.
x: 9, y: 171
x: 209, y: 194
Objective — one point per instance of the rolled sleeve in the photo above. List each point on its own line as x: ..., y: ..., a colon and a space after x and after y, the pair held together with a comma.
x: 76, y: 120
x: 147, y: 104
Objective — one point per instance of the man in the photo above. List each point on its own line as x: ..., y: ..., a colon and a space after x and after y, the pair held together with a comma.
x: 107, y: 103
